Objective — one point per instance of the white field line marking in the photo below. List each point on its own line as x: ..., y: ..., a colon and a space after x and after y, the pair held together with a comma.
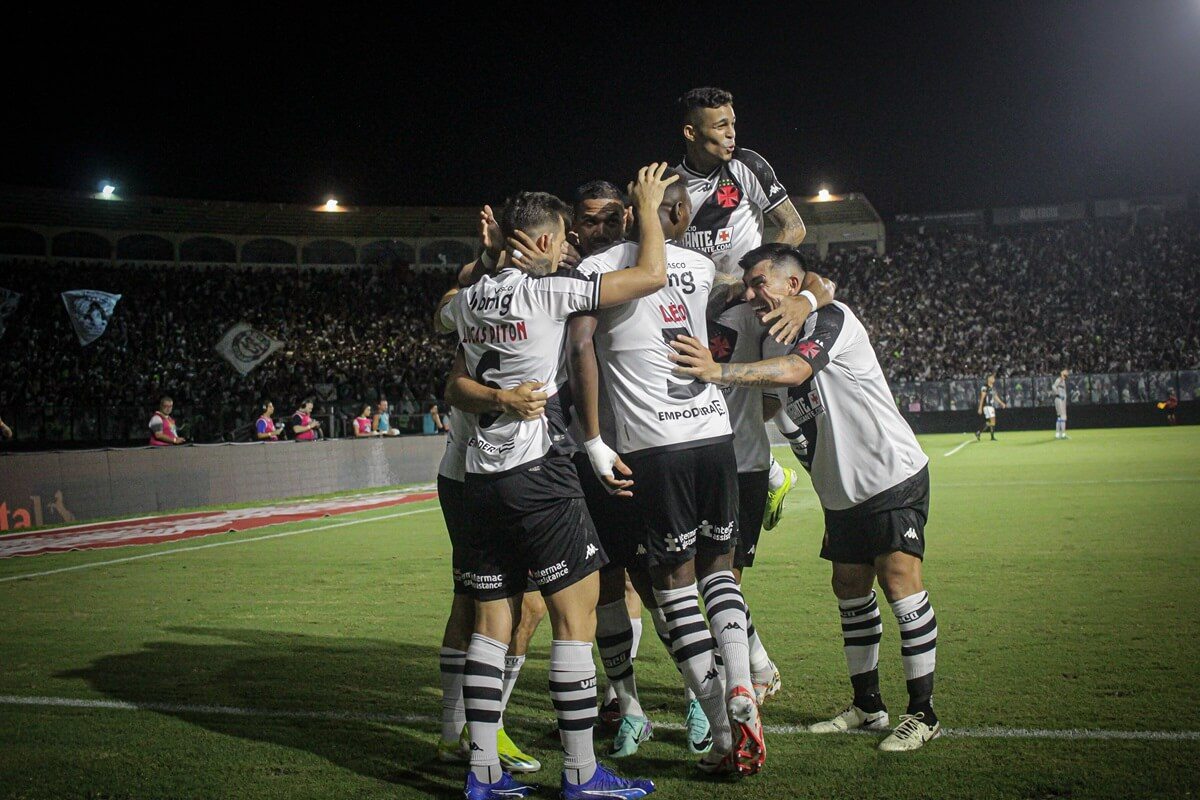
x: 409, y: 719
x: 960, y: 447
x: 989, y: 484
x: 212, y: 544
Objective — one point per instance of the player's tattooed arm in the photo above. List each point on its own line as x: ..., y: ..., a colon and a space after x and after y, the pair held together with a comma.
x: 726, y: 290
x: 467, y: 394
x: 787, y: 319
x: 695, y: 361
x: 787, y: 219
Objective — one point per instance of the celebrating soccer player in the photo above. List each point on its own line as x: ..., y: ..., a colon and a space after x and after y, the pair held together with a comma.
x: 871, y: 477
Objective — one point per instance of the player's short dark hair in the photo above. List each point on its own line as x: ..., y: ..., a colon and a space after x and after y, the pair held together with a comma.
x: 599, y: 190
x: 531, y: 211
x: 307, y: 401
x: 674, y: 190
x: 703, y: 97
x: 776, y: 253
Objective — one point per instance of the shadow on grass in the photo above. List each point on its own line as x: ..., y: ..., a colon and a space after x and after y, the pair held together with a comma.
x: 298, y: 672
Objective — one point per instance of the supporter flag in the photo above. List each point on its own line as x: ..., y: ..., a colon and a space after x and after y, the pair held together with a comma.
x: 245, y: 348
x: 90, y: 312
x: 8, y: 304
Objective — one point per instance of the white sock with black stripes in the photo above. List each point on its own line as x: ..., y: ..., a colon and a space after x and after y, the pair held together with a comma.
x: 726, y: 609
x: 614, y: 635
x: 693, y: 649
x: 512, y: 670
x: 664, y: 635
x: 454, y: 714
x: 483, y: 680
x: 862, y: 627
x: 918, y: 649
x: 573, y: 690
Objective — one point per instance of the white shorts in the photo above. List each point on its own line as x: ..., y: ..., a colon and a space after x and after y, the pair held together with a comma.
x: 1060, y: 408
x: 989, y: 412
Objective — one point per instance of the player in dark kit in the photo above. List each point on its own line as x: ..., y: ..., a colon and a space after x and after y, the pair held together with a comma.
x: 872, y: 479
x: 527, y: 510
x: 989, y: 399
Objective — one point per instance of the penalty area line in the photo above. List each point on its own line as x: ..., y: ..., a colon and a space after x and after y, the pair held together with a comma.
x: 1091, y: 734
x: 279, y: 535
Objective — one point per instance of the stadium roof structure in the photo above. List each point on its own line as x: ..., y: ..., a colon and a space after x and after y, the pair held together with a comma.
x: 839, y: 209
x: 63, y: 209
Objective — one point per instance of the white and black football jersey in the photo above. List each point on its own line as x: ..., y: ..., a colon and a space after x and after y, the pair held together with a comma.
x: 654, y: 409
x: 512, y: 327
x: 728, y: 205
x: 858, y: 444
x: 454, y: 461
x: 736, y: 337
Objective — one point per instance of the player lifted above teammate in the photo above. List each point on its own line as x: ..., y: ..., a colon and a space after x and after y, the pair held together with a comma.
x: 872, y: 480
x: 675, y: 438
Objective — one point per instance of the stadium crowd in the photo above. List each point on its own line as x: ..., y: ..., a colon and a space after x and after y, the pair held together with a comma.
x: 1092, y: 296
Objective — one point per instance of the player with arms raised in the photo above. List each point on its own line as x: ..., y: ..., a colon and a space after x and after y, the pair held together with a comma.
x: 526, y: 505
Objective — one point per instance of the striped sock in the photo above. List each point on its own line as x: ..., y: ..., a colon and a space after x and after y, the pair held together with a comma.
x: 760, y: 662
x: 614, y: 635
x: 483, y: 681
x: 918, y: 649
x: 659, y: 618
x: 693, y: 648
x: 454, y: 714
x: 727, y: 617
x: 862, y: 627
x: 512, y: 670
x: 573, y: 690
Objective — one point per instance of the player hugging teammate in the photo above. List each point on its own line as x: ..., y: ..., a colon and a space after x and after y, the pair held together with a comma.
x: 680, y: 487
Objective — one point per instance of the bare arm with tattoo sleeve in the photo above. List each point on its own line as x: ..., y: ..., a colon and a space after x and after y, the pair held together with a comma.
x: 695, y: 361
x: 791, y: 228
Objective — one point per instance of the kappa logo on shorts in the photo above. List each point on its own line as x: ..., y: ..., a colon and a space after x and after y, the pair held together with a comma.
x: 911, y: 533
x: 591, y: 550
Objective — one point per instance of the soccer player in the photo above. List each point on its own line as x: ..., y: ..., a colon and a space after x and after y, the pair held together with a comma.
x: 599, y: 222
x: 675, y: 440
x: 989, y: 398
x: 871, y: 477
x: 732, y: 189
x: 527, y: 513
x: 1060, y: 405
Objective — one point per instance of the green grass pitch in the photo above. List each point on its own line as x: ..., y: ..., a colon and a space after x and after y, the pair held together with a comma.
x: 1063, y: 575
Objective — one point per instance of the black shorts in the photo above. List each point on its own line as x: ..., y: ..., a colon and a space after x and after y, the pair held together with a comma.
x: 685, y: 503
x: 752, y: 505
x: 610, y: 515
x: 529, y: 523
x: 893, y: 520
x: 451, y: 499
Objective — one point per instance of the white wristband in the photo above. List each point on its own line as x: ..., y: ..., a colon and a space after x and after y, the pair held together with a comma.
x: 812, y: 298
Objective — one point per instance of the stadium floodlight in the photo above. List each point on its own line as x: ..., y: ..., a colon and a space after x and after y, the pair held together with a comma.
x: 108, y: 190
x: 823, y: 194
x: 331, y: 204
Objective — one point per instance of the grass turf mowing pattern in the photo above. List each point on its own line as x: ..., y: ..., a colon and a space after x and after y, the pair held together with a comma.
x: 1062, y: 574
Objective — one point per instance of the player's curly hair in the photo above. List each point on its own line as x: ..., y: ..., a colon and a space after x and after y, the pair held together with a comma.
x: 703, y: 97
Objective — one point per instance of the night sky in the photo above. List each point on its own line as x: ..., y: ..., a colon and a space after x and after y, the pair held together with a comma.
x: 922, y: 106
